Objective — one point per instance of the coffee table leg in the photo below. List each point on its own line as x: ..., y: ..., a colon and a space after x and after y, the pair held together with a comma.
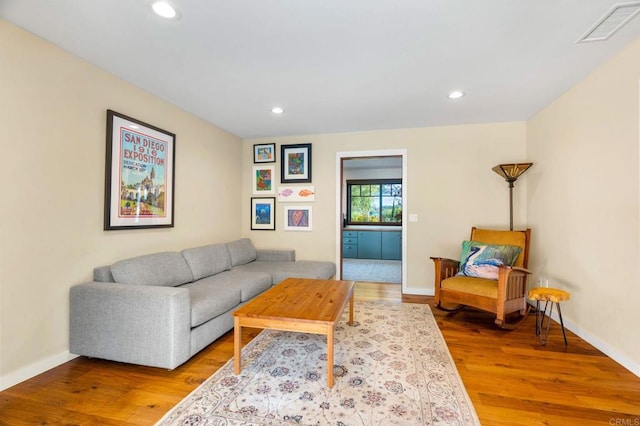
x: 237, y: 339
x: 330, y: 357
x: 351, y: 310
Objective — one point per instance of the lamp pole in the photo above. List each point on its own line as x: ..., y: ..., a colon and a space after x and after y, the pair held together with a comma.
x: 511, y: 181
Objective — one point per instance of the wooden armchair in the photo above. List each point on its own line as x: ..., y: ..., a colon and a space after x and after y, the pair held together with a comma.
x: 503, y: 296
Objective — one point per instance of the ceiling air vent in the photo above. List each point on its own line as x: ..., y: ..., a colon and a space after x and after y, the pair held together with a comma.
x: 611, y: 22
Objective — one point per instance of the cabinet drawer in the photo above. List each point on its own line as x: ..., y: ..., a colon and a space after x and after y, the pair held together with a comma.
x: 349, y: 240
x: 350, y: 234
x: 350, y: 251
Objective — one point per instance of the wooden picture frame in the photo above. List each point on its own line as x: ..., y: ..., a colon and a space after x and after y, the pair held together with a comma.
x: 264, y: 153
x: 298, y: 218
x: 263, y: 180
x: 295, y: 163
x: 263, y: 213
x: 139, y: 175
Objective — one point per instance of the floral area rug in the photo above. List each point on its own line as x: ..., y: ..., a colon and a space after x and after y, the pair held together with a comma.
x: 391, y: 367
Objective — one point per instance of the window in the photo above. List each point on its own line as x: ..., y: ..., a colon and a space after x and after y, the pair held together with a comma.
x: 374, y: 202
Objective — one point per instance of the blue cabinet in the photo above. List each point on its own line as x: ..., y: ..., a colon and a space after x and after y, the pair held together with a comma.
x: 369, y: 245
x: 372, y: 245
x: 392, y: 245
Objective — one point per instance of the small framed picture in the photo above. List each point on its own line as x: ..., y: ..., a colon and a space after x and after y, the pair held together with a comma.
x: 264, y: 153
x: 295, y: 163
x: 263, y: 179
x: 263, y: 214
x: 296, y: 194
x: 297, y: 218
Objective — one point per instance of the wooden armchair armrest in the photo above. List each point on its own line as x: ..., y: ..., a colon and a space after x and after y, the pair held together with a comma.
x: 519, y: 269
x: 512, y: 282
x: 444, y: 259
x: 444, y: 268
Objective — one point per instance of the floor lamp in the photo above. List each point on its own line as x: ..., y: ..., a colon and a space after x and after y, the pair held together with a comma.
x: 511, y: 173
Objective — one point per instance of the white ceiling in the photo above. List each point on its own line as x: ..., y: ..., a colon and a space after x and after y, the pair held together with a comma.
x: 335, y: 65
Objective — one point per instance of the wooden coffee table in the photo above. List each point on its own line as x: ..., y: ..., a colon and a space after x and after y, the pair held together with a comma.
x: 296, y: 304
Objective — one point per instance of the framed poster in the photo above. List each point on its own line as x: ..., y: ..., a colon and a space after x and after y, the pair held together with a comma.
x: 295, y: 163
x: 296, y: 193
x: 263, y: 178
x: 297, y: 218
x: 263, y: 213
x: 264, y: 153
x: 139, y: 174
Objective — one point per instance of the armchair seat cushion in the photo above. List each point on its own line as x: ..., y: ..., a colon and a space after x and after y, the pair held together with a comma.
x: 472, y: 285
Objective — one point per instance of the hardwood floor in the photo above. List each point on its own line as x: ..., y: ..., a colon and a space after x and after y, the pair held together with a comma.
x: 511, y: 379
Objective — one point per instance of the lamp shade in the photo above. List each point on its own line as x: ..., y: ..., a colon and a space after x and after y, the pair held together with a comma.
x: 511, y: 172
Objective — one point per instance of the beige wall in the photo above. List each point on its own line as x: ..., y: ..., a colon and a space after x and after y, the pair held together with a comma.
x: 584, y: 204
x: 53, y: 111
x: 450, y: 187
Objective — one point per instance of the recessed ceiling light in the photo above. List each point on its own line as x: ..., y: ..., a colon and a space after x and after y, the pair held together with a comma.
x: 277, y: 110
x: 456, y: 94
x: 165, y: 10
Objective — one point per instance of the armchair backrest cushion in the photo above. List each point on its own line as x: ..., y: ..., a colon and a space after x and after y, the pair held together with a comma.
x: 512, y: 238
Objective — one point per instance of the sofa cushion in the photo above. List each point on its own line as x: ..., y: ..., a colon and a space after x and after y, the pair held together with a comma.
x: 161, y: 269
x: 241, y: 251
x: 211, y: 296
x: 103, y: 274
x: 251, y: 284
x: 207, y: 260
x: 301, y: 269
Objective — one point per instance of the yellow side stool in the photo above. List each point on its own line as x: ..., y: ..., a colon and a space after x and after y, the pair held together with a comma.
x: 547, y: 295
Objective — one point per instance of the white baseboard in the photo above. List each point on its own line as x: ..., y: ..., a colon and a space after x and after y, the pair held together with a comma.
x: 418, y: 291
x: 599, y: 344
x: 32, y: 370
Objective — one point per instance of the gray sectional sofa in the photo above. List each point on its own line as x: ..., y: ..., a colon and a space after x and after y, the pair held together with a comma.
x: 161, y: 309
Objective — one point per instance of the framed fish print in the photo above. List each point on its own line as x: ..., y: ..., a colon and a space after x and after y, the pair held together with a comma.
x: 297, y: 218
x: 139, y: 174
x: 296, y: 193
x: 263, y: 178
x: 263, y: 214
x: 295, y: 163
x: 264, y: 153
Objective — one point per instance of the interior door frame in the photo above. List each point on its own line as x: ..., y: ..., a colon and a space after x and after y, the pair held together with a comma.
x: 365, y: 154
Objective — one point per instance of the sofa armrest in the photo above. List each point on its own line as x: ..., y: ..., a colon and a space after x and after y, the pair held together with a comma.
x: 276, y: 255
x: 146, y: 325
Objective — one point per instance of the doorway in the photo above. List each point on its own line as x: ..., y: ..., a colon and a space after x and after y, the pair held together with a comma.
x: 371, y: 244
